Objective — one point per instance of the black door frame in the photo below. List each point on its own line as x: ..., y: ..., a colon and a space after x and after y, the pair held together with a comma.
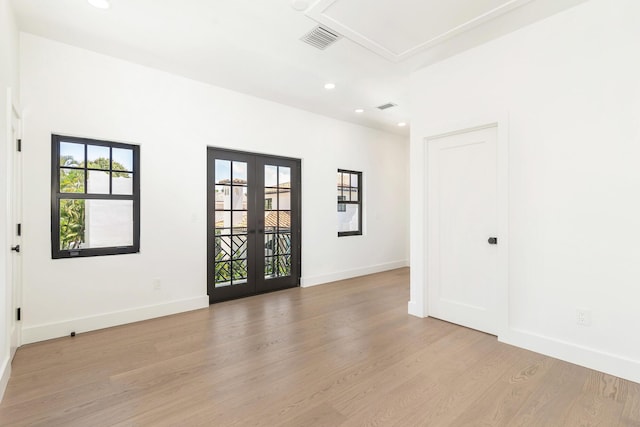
x: 256, y: 281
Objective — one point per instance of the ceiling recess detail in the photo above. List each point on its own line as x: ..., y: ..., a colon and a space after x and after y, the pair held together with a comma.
x: 321, y: 37
x: 417, y: 25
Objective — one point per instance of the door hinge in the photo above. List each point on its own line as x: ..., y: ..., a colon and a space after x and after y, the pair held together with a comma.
x: 19, y: 147
x: 18, y: 314
x: 19, y: 230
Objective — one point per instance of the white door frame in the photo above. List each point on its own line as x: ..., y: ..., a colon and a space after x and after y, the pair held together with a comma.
x: 14, y: 184
x: 501, y: 121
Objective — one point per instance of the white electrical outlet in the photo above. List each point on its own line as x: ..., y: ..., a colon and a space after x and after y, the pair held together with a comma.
x: 157, y: 284
x: 583, y: 317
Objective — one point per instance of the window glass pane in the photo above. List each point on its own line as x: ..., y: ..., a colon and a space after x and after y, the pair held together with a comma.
x: 348, y: 220
x: 71, y: 181
x: 122, y: 159
x: 238, y: 198
x: 340, y: 196
x: 223, y: 171
x: 284, y: 198
x: 346, y: 179
x: 72, y: 224
x: 107, y: 223
x: 239, y: 173
x: 98, y: 182
x: 354, y: 180
x: 122, y: 183
x: 339, y: 179
x: 98, y: 157
x: 71, y: 154
x: 354, y: 194
x: 270, y: 176
x: 284, y: 177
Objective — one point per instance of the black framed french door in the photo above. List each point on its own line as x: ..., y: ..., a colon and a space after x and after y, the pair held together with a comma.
x: 253, y: 225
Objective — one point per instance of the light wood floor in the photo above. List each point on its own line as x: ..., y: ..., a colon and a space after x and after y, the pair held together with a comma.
x: 345, y: 354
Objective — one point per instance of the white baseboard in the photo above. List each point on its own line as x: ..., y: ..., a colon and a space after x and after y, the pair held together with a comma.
x: 5, y: 373
x: 415, y: 309
x: 306, y: 282
x: 106, y: 320
x: 573, y: 353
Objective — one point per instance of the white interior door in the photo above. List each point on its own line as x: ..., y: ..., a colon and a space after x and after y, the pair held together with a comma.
x: 15, y: 230
x: 461, y: 218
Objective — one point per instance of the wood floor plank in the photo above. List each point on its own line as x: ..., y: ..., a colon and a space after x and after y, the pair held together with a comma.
x: 454, y: 392
x: 342, y: 354
x: 600, y: 403
x: 631, y: 411
x: 549, y: 403
x: 500, y: 402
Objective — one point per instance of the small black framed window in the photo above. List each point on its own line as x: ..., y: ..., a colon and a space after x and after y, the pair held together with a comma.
x: 95, y: 197
x: 349, y: 203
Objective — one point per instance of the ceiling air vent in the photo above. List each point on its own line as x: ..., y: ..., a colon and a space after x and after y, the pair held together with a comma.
x: 386, y: 106
x: 320, y: 37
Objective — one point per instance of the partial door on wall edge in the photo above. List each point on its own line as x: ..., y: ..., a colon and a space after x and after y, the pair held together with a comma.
x: 253, y: 225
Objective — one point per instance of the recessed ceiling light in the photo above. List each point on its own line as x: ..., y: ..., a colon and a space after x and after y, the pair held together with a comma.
x: 402, y: 124
x: 100, y: 4
x: 359, y: 110
x: 300, y: 5
x: 330, y: 86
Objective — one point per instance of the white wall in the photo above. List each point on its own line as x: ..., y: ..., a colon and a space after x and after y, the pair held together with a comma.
x: 72, y: 91
x: 571, y: 87
x: 8, y: 79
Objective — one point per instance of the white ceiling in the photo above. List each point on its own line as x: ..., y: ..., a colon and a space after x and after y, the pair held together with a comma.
x: 253, y: 46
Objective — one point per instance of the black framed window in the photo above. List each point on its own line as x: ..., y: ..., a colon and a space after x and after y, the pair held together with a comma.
x: 349, y: 203
x: 95, y: 197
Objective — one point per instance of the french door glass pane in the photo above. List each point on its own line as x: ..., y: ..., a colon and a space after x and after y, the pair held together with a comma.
x: 277, y: 219
x: 231, y: 223
x: 239, y: 173
x: 284, y: 177
x: 270, y: 176
x: 223, y: 172
x: 284, y: 199
x: 284, y: 244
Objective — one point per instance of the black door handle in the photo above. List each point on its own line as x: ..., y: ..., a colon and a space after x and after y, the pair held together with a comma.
x: 16, y: 248
x: 493, y: 240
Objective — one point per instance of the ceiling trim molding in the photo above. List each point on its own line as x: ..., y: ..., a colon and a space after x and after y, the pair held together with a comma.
x: 317, y: 12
